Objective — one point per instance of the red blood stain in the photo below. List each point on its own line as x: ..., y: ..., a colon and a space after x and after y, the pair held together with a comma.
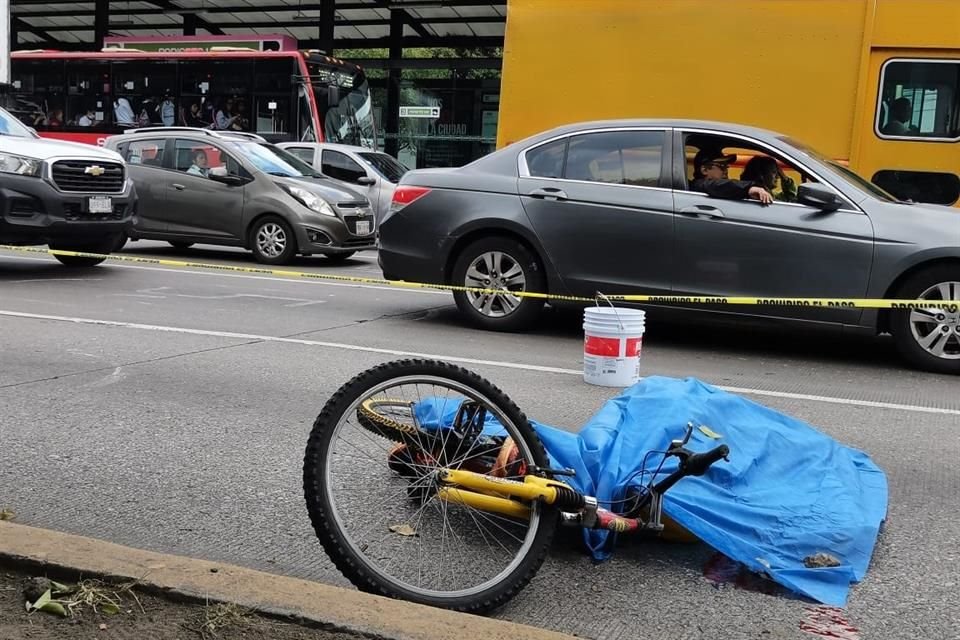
x: 720, y: 570
x: 828, y: 622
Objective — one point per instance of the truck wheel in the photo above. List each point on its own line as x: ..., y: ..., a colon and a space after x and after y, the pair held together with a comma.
x: 929, y: 338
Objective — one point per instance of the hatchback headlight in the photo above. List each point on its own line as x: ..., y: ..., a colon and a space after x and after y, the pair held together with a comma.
x: 21, y: 165
x: 311, y: 200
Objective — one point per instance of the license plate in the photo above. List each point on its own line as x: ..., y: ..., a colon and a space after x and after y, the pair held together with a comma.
x: 100, y: 204
x: 363, y: 227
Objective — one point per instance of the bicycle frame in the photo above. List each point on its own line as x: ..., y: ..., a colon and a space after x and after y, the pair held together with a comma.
x: 488, y: 493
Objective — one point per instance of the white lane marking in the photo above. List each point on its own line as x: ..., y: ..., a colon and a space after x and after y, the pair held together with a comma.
x: 475, y: 361
x: 354, y: 285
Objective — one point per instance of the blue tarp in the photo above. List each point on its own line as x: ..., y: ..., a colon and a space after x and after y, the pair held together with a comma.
x: 787, y: 493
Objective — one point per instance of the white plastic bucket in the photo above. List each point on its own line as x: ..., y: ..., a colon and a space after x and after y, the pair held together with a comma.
x: 612, y: 342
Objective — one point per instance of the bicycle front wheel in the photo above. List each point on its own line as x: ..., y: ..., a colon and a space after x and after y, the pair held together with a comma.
x: 371, y: 486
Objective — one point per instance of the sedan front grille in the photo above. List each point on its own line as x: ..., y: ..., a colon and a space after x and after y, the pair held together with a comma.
x: 88, y: 176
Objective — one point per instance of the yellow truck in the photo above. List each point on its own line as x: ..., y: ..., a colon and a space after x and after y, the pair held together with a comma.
x: 871, y: 83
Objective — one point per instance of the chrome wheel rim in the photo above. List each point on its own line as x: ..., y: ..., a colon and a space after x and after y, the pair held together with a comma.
x: 271, y: 240
x: 937, y: 329
x: 500, y: 272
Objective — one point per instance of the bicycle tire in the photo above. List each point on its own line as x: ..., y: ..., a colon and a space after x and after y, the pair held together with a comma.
x: 334, y: 540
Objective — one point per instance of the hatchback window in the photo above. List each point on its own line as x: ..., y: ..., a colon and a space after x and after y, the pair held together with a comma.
x: 197, y: 158
x: 303, y: 153
x: 145, y: 152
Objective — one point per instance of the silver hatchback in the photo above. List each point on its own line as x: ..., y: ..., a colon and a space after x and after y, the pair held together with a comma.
x: 235, y: 189
x: 372, y: 172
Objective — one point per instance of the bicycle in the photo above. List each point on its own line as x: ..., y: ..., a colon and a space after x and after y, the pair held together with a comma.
x: 429, y: 445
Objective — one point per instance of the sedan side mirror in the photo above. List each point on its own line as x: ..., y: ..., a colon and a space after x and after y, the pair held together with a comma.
x: 818, y: 196
x: 366, y: 181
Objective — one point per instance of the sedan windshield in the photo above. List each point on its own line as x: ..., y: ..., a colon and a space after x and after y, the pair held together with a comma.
x: 844, y: 172
x: 275, y: 161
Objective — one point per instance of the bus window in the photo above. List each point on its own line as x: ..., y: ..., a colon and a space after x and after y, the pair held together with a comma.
x: 89, y: 89
x: 919, y: 99
x: 920, y: 186
x: 38, y: 97
x: 145, y: 84
x: 346, y: 114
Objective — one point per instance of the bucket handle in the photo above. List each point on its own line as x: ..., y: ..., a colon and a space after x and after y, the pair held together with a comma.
x: 596, y: 299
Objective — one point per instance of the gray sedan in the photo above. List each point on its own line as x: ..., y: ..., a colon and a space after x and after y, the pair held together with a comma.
x: 613, y: 206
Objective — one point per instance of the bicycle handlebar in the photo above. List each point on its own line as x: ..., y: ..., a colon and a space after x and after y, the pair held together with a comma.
x: 698, y: 463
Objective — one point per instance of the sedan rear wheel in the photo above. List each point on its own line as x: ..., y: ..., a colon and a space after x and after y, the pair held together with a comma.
x: 507, y: 268
x: 929, y: 337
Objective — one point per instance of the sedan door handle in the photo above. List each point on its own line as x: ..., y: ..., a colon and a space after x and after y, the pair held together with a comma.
x: 548, y: 193
x: 178, y: 187
x: 702, y: 210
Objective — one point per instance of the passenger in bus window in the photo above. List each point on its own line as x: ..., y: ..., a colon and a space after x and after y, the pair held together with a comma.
x: 168, y: 110
x: 194, y: 117
x: 88, y: 119
x: 55, y: 119
x: 224, y: 118
x: 123, y: 113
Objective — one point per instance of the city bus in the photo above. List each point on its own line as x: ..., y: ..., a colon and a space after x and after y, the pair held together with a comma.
x: 279, y: 95
x: 874, y: 84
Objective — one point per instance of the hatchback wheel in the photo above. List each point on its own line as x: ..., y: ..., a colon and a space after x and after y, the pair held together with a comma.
x: 508, y: 267
x: 929, y: 337
x: 272, y: 241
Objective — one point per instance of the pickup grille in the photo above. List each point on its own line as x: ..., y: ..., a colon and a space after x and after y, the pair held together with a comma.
x: 88, y: 176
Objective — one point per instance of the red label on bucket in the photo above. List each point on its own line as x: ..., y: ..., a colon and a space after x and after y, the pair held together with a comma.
x: 610, y: 347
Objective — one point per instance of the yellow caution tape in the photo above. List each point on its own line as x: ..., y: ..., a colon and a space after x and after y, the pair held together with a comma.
x: 859, y: 303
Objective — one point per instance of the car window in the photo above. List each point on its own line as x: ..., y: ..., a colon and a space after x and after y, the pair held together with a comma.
x: 304, y: 153
x: 546, y: 161
x: 745, y: 161
x: 275, y: 161
x: 197, y: 158
x: 388, y: 167
x: 340, y: 166
x: 616, y: 157
x: 10, y: 126
x: 145, y: 152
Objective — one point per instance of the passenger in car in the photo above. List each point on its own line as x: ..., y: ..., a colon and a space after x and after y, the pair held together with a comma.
x: 710, y: 167
x: 764, y: 171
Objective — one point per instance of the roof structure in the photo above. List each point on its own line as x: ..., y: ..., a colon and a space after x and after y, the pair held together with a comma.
x: 69, y: 24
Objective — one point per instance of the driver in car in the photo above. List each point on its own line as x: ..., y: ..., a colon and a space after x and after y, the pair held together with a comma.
x: 710, y: 167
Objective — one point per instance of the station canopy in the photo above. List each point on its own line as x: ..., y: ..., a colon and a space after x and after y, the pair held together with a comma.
x: 357, y: 23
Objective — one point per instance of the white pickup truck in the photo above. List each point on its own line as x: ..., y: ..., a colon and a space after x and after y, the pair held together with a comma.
x: 65, y: 195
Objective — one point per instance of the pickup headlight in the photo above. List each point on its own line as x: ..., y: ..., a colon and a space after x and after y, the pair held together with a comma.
x: 311, y: 200
x: 21, y: 165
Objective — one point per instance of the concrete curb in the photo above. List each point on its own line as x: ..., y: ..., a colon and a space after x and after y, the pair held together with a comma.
x: 202, y: 580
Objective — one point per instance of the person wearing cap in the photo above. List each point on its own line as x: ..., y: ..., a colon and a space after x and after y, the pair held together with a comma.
x: 710, y: 168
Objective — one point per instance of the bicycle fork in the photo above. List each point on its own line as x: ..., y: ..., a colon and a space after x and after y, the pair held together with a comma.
x: 487, y: 493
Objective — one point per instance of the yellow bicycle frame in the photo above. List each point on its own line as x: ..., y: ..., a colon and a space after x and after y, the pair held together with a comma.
x: 486, y: 492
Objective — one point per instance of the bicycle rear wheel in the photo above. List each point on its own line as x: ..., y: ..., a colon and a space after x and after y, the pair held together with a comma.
x: 371, y: 488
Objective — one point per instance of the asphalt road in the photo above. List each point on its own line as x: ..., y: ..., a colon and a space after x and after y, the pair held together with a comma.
x: 167, y: 409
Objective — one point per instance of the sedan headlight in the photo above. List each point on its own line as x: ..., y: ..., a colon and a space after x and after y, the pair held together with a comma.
x: 21, y: 165
x: 311, y: 200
